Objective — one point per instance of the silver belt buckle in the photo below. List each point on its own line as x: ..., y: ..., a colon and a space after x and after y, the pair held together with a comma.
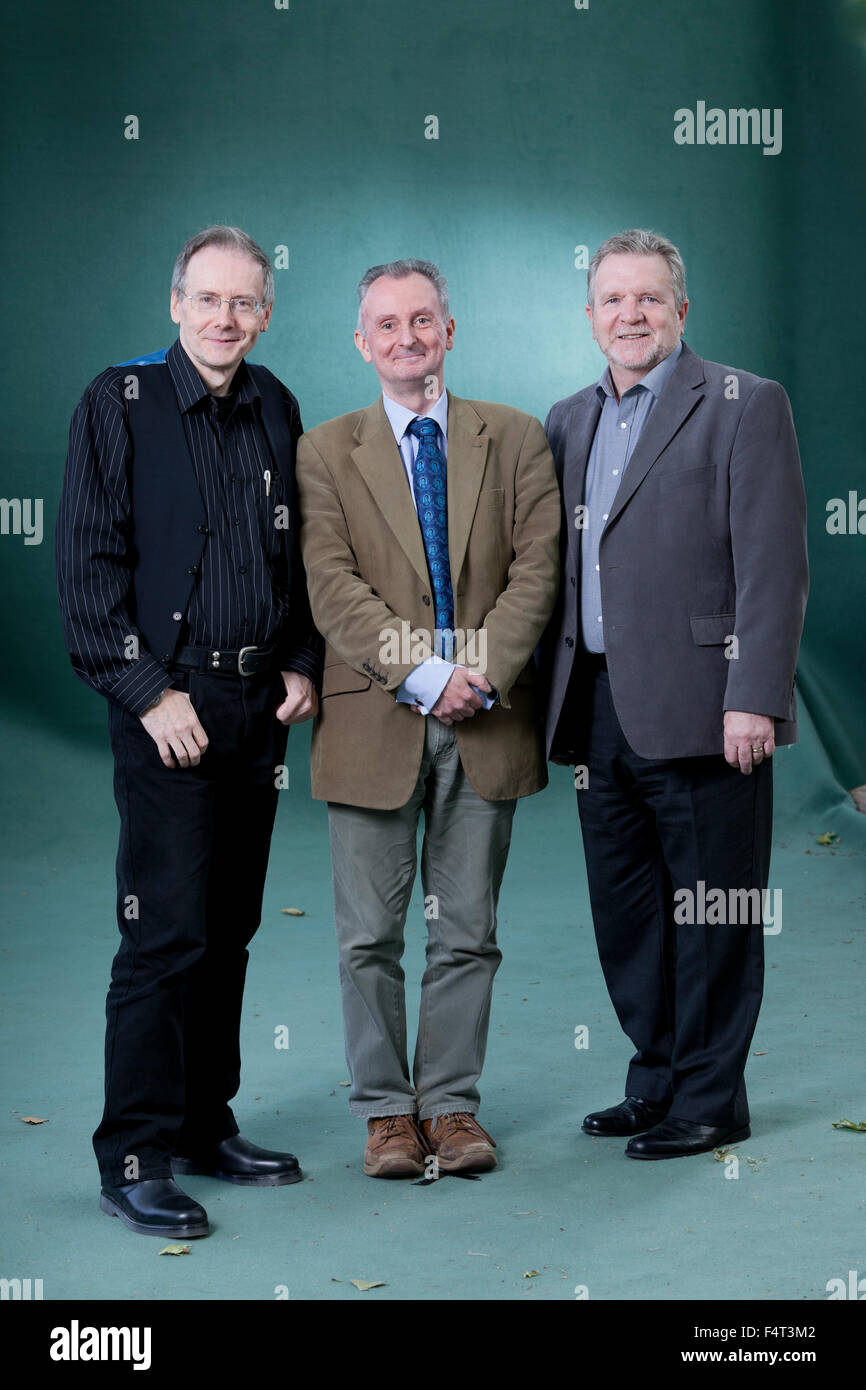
x: 241, y: 654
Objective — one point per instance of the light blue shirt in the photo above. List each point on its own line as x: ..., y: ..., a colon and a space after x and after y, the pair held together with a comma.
x: 425, y: 683
x: 618, y: 431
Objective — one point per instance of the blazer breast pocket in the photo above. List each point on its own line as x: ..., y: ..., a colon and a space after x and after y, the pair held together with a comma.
x: 702, y: 477
x: 492, y: 497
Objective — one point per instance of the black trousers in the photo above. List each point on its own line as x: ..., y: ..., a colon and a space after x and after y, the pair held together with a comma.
x: 191, y: 865
x: 686, y: 992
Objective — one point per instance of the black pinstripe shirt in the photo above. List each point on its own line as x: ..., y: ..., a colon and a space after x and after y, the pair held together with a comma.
x: 240, y: 597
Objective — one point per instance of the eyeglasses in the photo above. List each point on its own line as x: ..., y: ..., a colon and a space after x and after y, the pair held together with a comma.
x: 242, y: 306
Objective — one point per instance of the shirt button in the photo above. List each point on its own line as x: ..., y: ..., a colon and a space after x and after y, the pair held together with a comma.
x: 604, y: 517
x: 624, y: 425
x: 598, y: 619
x: 596, y: 566
x: 615, y: 471
x: 177, y: 617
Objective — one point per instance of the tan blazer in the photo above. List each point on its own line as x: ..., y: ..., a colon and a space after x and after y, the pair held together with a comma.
x: 372, y: 600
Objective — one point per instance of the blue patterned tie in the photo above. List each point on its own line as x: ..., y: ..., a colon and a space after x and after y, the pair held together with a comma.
x: 430, y: 485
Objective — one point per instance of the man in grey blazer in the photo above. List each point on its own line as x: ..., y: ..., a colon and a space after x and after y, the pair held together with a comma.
x: 670, y: 662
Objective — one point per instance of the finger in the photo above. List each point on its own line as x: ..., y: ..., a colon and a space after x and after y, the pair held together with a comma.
x: 179, y: 748
x: 731, y: 755
x: 744, y: 757
x: 200, y: 736
x: 165, y: 753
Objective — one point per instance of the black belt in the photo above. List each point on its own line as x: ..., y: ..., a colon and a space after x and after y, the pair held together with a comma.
x: 249, y: 661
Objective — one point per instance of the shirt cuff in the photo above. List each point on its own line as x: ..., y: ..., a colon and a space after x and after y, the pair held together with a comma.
x: 425, y: 683
x: 141, y: 684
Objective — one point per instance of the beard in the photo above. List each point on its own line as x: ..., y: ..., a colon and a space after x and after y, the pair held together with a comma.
x: 651, y: 353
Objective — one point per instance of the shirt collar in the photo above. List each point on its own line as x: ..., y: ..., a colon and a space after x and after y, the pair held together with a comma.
x: 189, y: 387
x: 654, y: 381
x: 400, y: 417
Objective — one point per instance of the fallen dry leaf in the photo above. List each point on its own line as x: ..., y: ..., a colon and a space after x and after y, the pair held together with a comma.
x: 850, y: 1124
x: 174, y: 1250
x: 531, y: 1274
x: 365, y: 1284
x: 292, y: 911
x: 32, y: 1120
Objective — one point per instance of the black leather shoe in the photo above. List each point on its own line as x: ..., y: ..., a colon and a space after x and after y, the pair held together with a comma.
x: 632, y: 1116
x: 155, y: 1207
x: 679, y: 1138
x: 237, y: 1160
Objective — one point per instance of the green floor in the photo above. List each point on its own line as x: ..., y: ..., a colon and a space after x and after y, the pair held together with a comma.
x: 570, y: 1210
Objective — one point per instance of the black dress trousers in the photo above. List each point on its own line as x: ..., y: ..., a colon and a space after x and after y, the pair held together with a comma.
x: 191, y: 866
x: 687, y: 993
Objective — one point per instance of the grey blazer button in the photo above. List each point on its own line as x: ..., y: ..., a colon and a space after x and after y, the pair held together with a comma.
x: 425, y: 599
x: 569, y: 641
x: 177, y: 617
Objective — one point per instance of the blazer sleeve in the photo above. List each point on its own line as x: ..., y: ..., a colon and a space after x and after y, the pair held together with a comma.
x: 768, y: 543
x: 300, y: 647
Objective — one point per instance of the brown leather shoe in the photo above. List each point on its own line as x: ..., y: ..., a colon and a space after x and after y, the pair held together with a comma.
x: 459, y: 1143
x: 396, y: 1148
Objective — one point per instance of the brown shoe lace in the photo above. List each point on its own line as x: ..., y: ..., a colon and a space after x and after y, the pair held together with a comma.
x: 392, y: 1126
x: 452, y: 1124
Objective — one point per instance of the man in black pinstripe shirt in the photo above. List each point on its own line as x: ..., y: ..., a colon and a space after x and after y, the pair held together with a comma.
x: 184, y: 603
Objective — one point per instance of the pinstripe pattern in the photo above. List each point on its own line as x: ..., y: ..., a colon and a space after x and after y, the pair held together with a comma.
x: 241, y: 594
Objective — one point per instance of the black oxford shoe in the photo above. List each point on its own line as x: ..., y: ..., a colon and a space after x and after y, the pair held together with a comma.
x: 155, y: 1207
x: 632, y: 1116
x: 679, y: 1138
x: 237, y: 1160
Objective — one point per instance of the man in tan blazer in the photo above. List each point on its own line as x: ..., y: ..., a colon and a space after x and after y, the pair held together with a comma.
x: 430, y: 533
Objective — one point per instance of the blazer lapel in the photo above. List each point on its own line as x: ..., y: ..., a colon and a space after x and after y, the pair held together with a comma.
x: 582, y: 423
x: 377, y: 458
x: 467, y: 457
x: 673, y: 407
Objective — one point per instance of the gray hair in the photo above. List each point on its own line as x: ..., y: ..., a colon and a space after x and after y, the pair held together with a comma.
x: 400, y: 270
x: 640, y: 243
x: 232, y: 239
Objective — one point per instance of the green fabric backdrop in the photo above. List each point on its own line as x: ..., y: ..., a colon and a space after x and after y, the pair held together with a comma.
x: 306, y: 126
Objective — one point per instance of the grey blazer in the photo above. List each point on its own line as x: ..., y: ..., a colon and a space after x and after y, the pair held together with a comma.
x: 706, y: 540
